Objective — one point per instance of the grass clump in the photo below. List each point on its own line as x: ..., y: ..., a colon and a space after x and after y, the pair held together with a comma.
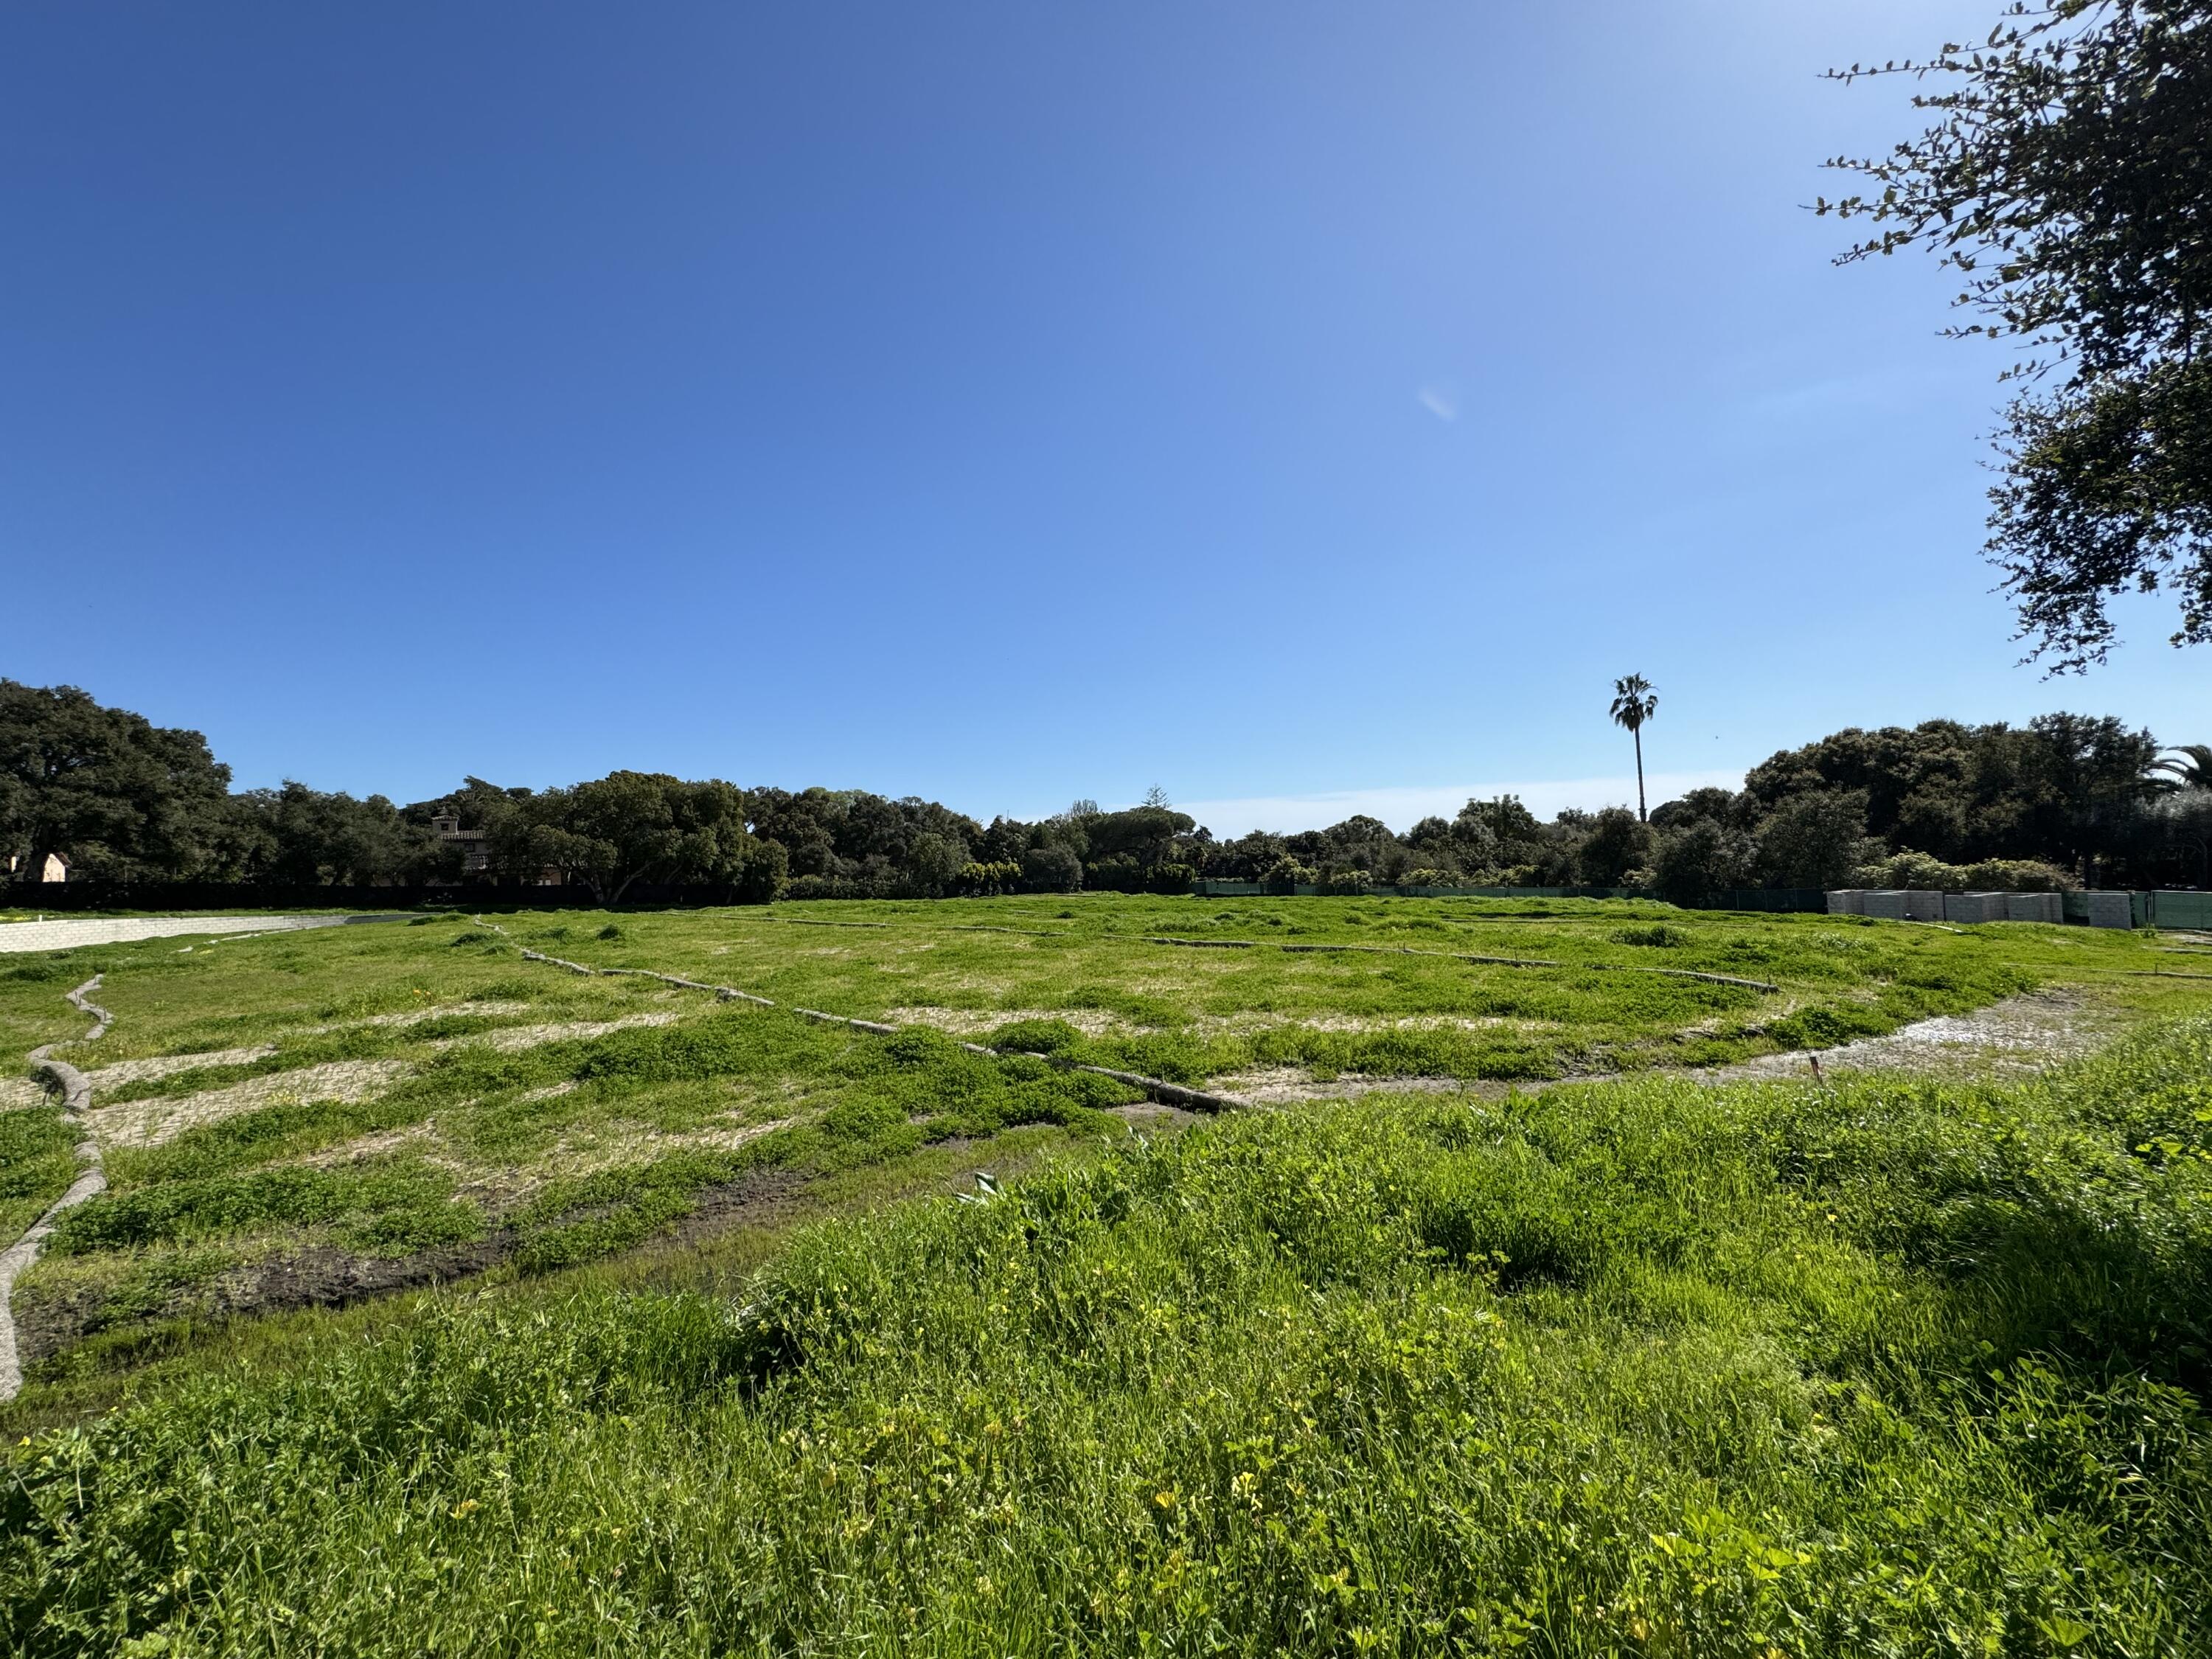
x: 38, y: 1161
x: 1638, y: 1368
x: 397, y: 1207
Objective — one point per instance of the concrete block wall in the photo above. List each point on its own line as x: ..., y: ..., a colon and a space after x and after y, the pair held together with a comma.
x: 1922, y: 905
x: 2110, y: 909
x: 2034, y: 907
x: 1847, y: 902
x: 1973, y: 907
x: 1885, y: 902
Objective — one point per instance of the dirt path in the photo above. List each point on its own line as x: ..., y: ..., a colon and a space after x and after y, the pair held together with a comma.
x: 2020, y: 1035
x: 2013, y: 1038
x: 92, y: 1179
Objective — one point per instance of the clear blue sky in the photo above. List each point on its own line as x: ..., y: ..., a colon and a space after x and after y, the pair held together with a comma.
x: 997, y: 402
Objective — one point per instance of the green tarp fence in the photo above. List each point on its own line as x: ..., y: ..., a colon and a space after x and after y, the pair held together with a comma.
x: 2174, y: 909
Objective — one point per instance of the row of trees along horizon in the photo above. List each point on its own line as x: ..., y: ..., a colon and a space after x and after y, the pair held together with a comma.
x: 2066, y: 801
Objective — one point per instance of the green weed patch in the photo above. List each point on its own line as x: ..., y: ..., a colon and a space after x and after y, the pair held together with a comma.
x: 38, y: 1161
x: 1639, y: 1367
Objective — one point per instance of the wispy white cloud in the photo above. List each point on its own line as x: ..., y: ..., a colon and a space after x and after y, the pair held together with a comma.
x: 1402, y: 807
x: 1438, y: 402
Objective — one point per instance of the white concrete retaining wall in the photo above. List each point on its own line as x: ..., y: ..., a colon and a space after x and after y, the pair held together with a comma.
x: 1922, y: 905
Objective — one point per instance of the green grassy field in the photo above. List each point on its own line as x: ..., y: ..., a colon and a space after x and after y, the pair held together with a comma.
x: 1636, y: 1365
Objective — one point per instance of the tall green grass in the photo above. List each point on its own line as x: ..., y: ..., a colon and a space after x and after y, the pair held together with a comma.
x: 1635, y: 1368
x: 38, y: 1161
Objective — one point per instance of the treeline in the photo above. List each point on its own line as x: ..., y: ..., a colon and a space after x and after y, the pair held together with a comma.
x: 2066, y: 801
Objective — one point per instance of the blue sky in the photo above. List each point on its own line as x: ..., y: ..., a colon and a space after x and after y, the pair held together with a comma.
x: 1302, y: 407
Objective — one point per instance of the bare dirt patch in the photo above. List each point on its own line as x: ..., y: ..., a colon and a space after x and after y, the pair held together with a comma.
x: 418, y: 1016
x: 972, y: 1022
x: 756, y: 1198
x: 152, y: 1122
x: 1242, y: 1023
x: 316, y: 1275
x: 1284, y: 1085
x: 513, y: 1037
x: 624, y: 1140
x: 361, y: 1148
x: 162, y: 1066
x: 2016, y: 1037
x: 1150, y: 1117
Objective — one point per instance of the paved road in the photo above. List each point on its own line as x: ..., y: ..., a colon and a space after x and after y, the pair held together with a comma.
x: 60, y: 934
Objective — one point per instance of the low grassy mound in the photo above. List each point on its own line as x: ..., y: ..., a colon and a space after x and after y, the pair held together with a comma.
x: 1633, y: 1367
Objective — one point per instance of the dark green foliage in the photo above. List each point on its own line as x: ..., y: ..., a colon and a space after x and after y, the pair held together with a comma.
x: 1616, y: 843
x: 114, y: 794
x: 1052, y: 869
x: 2067, y: 790
x: 304, y: 836
x: 2064, y: 179
x: 1815, y: 839
x: 2053, y: 790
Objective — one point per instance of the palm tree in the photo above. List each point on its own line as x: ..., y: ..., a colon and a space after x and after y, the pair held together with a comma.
x: 2193, y: 773
x: 1634, y: 701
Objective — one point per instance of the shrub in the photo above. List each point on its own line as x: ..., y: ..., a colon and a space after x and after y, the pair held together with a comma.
x: 827, y: 887
x: 1053, y: 869
x: 1171, y: 878
x: 1815, y: 839
x: 2019, y: 875
x: 988, y: 880
x: 933, y: 864
x: 1701, y: 858
x: 761, y: 871
x: 1118, y: 873
x: 1287, y: 875
x: 1924, y: 871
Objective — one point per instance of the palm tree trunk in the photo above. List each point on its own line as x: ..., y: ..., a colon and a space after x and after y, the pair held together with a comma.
x: 1636, y: 732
